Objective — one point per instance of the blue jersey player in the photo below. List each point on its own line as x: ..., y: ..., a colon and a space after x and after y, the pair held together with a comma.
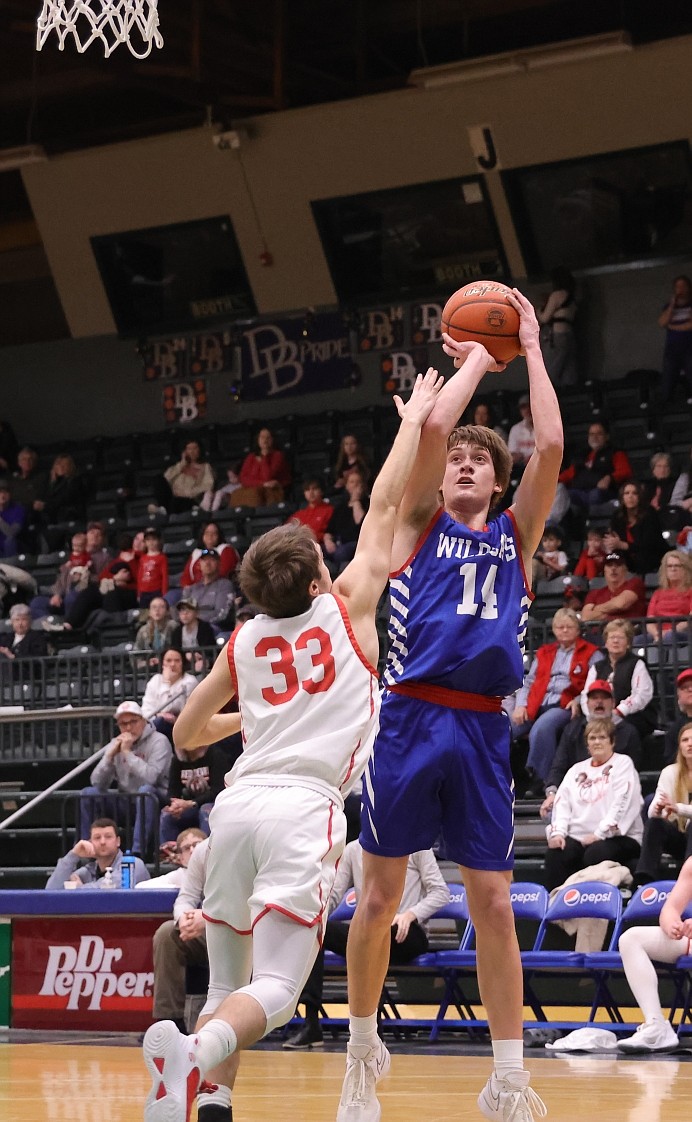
x: 459, y: 601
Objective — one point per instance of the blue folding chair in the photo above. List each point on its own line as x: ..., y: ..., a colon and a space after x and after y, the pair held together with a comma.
x: 530, y: 902
x: 589, y: 900
x: 452, y: 965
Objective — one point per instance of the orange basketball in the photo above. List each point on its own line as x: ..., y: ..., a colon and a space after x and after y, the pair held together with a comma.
x: 481, y: 313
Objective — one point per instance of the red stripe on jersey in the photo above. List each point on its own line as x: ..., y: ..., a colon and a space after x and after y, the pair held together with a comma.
x: 452, y: 699
x: 352, y: 639
x: 351, y: 763
x: 230, y: 653
x: 527, y: 582
x: 419, y: 544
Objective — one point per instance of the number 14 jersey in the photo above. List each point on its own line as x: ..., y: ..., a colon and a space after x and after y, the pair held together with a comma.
x: 308, y: 700
x: 459, y: 607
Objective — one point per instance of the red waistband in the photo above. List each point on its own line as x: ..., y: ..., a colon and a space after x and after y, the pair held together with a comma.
x: 453, y: 699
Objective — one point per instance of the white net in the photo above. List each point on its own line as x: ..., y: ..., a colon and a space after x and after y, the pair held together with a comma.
x: 134, y: 22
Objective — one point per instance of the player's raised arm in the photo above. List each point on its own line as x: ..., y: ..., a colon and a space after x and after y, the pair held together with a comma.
x: 201, y: 721
x: 536, y: 492
x: 364, y: 579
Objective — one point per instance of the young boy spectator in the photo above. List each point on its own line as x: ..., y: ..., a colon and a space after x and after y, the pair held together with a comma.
x: 592, y: 557
x: 317, y: 514
x: 216, y: 500
x: 152, y: 577
x: 549, y: 560
x: 194, y: 782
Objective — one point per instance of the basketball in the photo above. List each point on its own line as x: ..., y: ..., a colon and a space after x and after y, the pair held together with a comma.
x: 481, y: 313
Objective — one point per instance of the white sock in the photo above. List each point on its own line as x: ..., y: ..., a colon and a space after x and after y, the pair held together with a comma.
x: 217, y: 1041
x: 363, y: 1031
x: 220, y: 1097
x: 508, y: 1056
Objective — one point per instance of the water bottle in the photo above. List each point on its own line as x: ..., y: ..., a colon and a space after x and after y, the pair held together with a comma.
x: 107, y: 880
x: 127, y: 870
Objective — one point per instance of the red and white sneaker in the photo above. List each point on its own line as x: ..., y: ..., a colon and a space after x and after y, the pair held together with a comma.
x: 172, y: 1062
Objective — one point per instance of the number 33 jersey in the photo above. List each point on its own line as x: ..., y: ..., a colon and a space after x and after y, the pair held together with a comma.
x: 308, y: 700
x: 458, y: 609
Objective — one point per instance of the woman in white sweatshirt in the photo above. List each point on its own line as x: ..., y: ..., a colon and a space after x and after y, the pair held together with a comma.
x: 597, y: 810
x: 668, y: 825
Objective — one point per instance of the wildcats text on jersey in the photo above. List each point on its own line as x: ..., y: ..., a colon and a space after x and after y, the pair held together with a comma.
x: 464, y: 547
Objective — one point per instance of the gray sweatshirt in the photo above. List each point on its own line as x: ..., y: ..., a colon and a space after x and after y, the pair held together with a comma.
x: 90, y: 874
x: 149, y: 762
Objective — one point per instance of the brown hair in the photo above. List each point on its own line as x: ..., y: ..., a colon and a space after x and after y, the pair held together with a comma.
x: 682, y: 793
x: 685, y: 560
x: 103, y: 824
x: 482, y: 437
x: 278, y: 568
x: 623, y: 625
x: 600, y: 724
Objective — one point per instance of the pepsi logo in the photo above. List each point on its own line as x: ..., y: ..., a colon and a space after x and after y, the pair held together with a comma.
x: 350, y: 898
x: 651, y: 895
x: 524, y: 897
x: 458, y: 897
x: 572, y: 896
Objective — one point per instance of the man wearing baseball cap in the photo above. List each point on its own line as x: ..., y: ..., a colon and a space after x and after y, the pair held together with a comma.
x: 623, y: 597
x: 215, y: 595
x: 137, y: 761
x: 571, y: 748
x: 683, y: 683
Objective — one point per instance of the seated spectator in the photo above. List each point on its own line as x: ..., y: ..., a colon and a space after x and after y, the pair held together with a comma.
x: 156, y: 634
x: 522, y: 440
x: 8, y: 447
x: 549, y: 696
x: 28, y: 483
x: 627, y: 673
x: 591, y: 560
x: 640, y: 948
x: 137, y: 761
x: 100, y: 553
x: 683, y: 685
x: 12, y: 519
x: 350, y: 457
x: 197, y: 776
x: 682, y: 492
x: 16, y: 587
x: 673, y: 597
x: 210, y: 538
x: 622, y: 597
x: 152, y: 574
x: 594, y: 475
x: 166, y: 693
x: 180, y: 942
x: 72, y: 577
x: 597, y: 810
x: 215, y: 595
x: 317, y: 513
x: 223, y: 497
x: 25, y: 643
x: 667, y: 826
x: 341, y: 536
x: 177, y: 853
x: 183, y: 485
x: 549, y: 561
x: 572, y: 746
x: 114, y: 592
x: 264, y: 474
x: 191, y: 634
x: 101, y: 851
x: 658, y: 490
x: 482, y: 415
x: 64, y: 501
x: 635, y: 531
x: 425, y: 892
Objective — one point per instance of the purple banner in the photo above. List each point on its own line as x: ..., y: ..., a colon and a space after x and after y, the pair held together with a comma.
x: 295, y: 356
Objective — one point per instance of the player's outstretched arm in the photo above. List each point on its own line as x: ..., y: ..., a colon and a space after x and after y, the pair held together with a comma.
x: 472, y: 362
x: 201, y: 721
x: 363, y: 581
x: 536, y: 492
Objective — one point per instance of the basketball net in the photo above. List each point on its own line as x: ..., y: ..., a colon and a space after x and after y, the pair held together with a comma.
x: 134, y: 22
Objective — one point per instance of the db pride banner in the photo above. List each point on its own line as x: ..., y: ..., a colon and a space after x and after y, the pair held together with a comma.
x: 296, y: 356
x: 82, y: 973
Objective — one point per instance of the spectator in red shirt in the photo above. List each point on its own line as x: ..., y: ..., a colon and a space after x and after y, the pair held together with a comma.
x: 594, y: 476
x: 264, y: 474
x: 152, y: 578
x: 317, y: 514
x: 592, y: 557
x: 210, y: 538
x: 673, y: 597
x: 623, y: 597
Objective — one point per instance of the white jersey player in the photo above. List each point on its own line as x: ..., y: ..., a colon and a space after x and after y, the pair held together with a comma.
x: 304, y: 672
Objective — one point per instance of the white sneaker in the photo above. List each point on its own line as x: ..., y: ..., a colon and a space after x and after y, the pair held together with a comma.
x: 365, y: 1066
x: 511, y: 1099
x: 652, y: 1036
x: 172, y: 1062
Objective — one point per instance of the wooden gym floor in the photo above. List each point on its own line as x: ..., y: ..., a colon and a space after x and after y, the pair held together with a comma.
x: 104, y: 1080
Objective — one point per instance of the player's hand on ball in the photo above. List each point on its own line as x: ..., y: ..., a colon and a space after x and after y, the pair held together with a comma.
x: 460, y: 352
x: 529, y: 328
x: 423, y: 396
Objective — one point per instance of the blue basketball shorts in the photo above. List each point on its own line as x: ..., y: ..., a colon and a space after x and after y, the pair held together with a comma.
x: 440, y: 773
